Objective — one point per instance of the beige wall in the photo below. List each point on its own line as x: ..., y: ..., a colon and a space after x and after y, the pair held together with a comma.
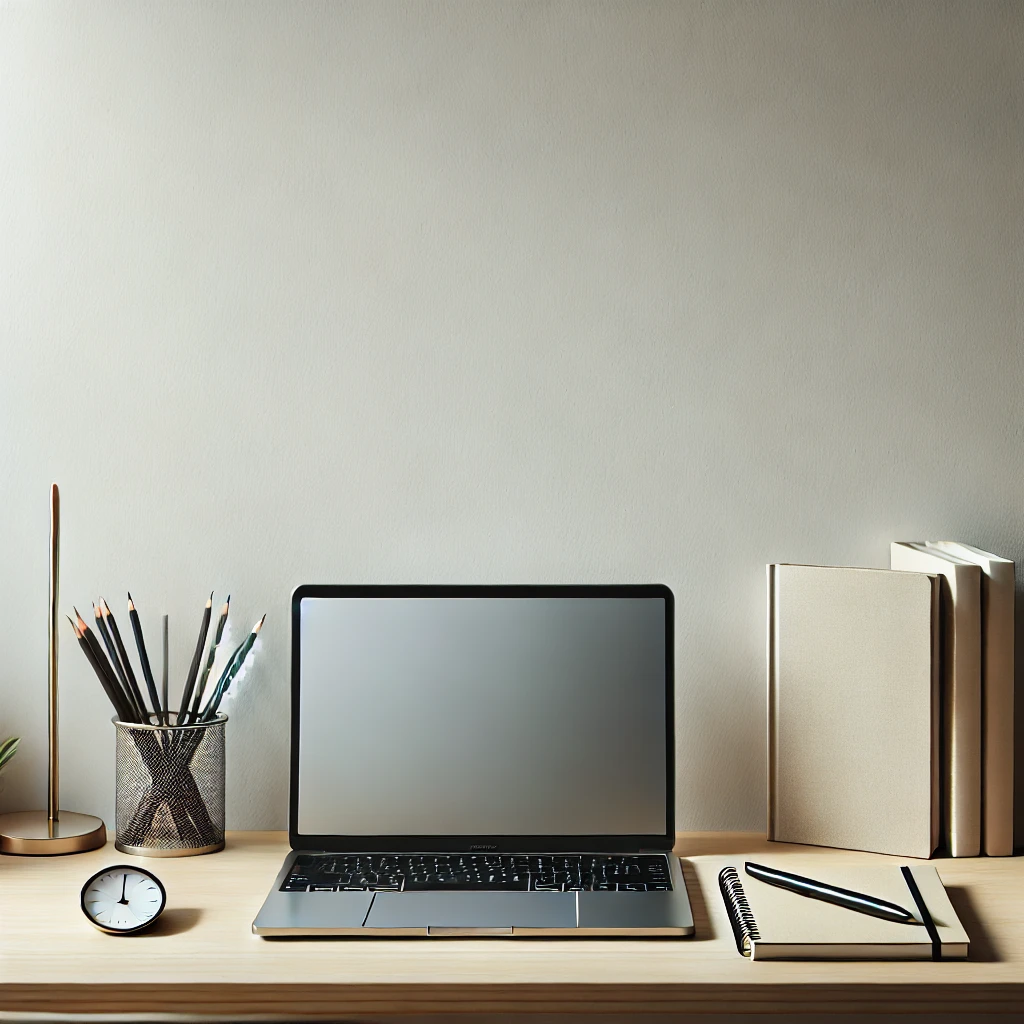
x: 488, y: 292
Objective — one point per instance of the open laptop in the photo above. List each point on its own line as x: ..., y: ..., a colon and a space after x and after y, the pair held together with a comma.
x: 480, y: 760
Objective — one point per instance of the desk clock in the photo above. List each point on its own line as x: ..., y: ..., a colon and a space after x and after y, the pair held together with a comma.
x: 123, y: 900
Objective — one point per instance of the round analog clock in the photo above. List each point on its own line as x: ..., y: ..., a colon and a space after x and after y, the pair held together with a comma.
x: 123, y: 899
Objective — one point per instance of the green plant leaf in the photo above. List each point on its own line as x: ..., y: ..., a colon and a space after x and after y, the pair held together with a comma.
x: 7, y: 750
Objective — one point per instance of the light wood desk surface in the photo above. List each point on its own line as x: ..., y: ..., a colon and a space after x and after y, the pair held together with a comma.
x: 202, y: 958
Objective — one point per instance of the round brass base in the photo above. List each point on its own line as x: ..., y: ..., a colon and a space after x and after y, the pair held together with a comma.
x: 181, y: 851
x: 30, y: 833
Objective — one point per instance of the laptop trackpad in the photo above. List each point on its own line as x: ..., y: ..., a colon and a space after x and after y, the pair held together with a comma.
x: 472, y: 910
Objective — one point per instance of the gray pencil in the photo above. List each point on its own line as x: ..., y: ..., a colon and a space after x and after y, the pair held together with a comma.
x: 163, y: 682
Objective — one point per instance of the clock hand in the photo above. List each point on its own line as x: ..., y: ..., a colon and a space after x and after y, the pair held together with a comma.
x: 123, y: 886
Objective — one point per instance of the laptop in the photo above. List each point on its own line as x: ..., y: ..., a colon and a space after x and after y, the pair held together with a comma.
x: 480, y: 761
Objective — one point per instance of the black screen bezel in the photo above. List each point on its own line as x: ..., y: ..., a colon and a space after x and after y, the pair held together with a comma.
x: 504, y: 843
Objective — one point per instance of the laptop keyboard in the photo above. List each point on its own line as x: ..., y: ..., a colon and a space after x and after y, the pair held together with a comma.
x: 343, y: 872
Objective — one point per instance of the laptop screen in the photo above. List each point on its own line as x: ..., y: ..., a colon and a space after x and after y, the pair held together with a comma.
x: 477, y: 716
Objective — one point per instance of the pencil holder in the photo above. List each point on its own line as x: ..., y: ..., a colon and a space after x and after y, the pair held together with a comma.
x: 170, y: 788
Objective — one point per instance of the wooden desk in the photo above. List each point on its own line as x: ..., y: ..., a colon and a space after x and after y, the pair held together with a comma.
x: 202, y: 958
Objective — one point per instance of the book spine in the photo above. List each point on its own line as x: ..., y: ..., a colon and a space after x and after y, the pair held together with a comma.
x: 741, y: 917
x: 997, y: 612
x: 770, y: 666
x: 938, y: 778
x: 962, y: 653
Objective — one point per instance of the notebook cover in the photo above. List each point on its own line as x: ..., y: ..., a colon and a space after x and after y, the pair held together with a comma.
x: 784, y: 925
x: 997, y: 609
x: 853, y: 709
x: 960, y: 600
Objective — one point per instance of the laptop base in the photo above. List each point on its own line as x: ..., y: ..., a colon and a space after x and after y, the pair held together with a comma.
x: 367, y: 914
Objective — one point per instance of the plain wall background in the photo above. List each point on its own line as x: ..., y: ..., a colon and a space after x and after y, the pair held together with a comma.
x: 495, y: 292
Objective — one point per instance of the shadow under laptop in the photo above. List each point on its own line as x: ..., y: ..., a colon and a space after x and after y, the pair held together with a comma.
x: 702, y: 927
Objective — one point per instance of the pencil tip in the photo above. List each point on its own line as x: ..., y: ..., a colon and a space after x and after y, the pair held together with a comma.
x: 74, y: 627
x: 209, y: 600
x: 259, y: 625
x: 131, y: 603
x: 81, y: 622
x: 104, y: 607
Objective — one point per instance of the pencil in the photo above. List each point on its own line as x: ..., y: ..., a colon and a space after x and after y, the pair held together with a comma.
x: 140, y: 643
x: 108, y: 618
x: 108, y: 643
x: 224, y: 682
x: 115, y: 700
x: 163, y: 683
x: 229, y: 673
x: 193, y: 669
x: 109, y: 671
x: 204, y: 678
x: 114, y: 694
x: 97, y: 652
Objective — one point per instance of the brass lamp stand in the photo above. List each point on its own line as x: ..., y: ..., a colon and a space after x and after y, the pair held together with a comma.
x: 51, y: 831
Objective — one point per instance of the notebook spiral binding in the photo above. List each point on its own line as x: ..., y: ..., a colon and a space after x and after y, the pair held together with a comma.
x: 741, y: 917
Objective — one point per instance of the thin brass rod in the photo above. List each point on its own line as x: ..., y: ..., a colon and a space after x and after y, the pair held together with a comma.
x: 53, y: 794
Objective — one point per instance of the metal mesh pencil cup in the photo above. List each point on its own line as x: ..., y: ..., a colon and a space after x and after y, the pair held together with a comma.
x: 170, y: 788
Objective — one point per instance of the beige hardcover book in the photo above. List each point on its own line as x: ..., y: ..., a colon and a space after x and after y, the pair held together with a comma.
x: 775, y: 924
x: 853, y: 709
x: 997, y: 604
x: 961, y: 688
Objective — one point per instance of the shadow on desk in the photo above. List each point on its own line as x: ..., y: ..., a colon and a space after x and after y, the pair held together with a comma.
x: 665, y: 1018
x: 702, y: 929
x: 174, y: 921
x: 983, y: 949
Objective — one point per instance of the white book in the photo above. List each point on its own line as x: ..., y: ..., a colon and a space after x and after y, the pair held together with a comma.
x: 960, y: 609
x: 853, y: 709
x: 997, y: 610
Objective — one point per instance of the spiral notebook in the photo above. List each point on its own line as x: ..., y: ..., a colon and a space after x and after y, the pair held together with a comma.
x: 774, y: 924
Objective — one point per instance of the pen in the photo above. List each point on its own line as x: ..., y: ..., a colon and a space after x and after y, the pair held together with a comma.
x: 858, y: 901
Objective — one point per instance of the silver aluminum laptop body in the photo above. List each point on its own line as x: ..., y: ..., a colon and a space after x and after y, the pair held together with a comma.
x: 473, y: 721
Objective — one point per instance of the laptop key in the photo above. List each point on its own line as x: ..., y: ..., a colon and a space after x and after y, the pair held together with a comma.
x: 473, y: 872
x: 511, y: 885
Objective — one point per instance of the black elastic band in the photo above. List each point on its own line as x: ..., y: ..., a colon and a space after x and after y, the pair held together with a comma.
x: 926, y: 917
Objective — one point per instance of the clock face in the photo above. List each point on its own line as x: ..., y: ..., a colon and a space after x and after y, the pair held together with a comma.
x: 123, y: 899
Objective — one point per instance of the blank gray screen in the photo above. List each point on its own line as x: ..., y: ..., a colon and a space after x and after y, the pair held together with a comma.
x: 482, y: 716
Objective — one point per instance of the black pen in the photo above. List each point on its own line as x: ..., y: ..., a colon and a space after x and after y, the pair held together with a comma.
x: 858, y: 901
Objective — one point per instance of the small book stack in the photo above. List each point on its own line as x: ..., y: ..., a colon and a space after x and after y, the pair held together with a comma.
x: 890, y: 703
